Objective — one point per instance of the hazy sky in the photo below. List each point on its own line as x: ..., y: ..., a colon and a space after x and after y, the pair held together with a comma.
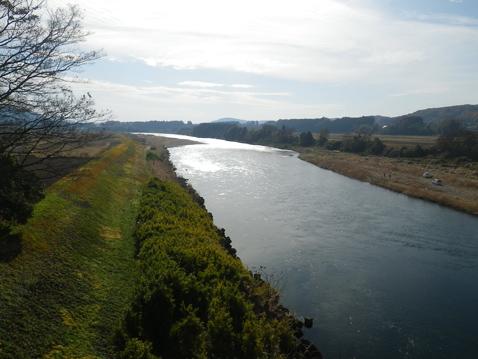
x: 262, y: 60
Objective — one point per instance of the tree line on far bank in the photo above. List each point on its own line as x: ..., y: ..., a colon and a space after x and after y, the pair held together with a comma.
x: 454, y: 140
x: 423, y: 123
x: 461, y: 143
x: 406, y: 126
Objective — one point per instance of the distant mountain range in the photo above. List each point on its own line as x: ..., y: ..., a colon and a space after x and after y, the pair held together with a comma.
x: 468, y: 114
x: 430, y: 118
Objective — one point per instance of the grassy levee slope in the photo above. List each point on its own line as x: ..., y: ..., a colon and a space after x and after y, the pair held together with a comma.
x: 67, y: 290
x: 115, y: 265
x: 193, y: 299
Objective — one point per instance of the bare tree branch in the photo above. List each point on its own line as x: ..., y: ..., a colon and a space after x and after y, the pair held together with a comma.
x: 39, y: 115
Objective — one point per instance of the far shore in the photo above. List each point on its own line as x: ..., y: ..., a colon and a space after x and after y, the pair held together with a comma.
x: 458, y: 191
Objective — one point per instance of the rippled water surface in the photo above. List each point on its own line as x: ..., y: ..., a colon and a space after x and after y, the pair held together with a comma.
x: 383, y: 275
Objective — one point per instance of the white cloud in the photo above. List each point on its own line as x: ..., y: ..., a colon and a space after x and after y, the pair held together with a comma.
x: 424, y: 90
x: 193, y: 104
x: 199, y: 84
x: 242, y: 86
x: 446, y: 19
x: 326, y: 42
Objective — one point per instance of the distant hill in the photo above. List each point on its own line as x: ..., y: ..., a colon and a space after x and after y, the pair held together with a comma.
x: 468, y: 114
x: 430, y: 118
x: 383, y: 120
x: 229, y: 119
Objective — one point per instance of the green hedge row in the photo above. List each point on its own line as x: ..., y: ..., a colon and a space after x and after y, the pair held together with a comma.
x: 193, y: 299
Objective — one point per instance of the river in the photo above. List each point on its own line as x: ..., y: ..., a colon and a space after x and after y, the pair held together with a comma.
x: 382, y: 275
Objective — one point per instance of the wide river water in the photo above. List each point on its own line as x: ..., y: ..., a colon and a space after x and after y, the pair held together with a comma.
x: 382, y: 275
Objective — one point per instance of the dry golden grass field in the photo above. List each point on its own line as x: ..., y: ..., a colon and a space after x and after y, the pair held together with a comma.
x: 404, y: 175
x: 72, y: 160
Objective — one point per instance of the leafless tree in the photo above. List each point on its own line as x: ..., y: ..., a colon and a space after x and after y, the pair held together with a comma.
x: 40, y: 117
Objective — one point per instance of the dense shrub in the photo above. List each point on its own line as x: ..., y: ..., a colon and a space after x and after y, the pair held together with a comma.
x: 151, y: 156
x: 333, y: 145
x: 391, y: 152
x: 458, y: 143
x: 355, y: 144
x: 323, y: 137
x: 193, y: 299
x: 377, y: 147
x: 19, y: 190
x: 414, y: 152
x: 306, y: 139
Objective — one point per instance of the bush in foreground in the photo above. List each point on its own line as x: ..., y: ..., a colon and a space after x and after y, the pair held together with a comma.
x: 192, y: 298
x: 19, y: 191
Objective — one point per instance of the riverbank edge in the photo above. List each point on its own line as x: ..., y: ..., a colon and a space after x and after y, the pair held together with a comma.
x: 269, y: 305
x: 459, y: 190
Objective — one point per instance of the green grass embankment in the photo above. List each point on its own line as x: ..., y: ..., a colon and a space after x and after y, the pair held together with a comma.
x: 66, y: 291
x: 192, y: 298
x: 80, y: 284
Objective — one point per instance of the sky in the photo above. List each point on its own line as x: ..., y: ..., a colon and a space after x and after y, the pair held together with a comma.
x: 263, y: 60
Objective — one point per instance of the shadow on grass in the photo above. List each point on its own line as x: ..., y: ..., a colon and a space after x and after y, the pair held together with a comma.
x: 10, y: 244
